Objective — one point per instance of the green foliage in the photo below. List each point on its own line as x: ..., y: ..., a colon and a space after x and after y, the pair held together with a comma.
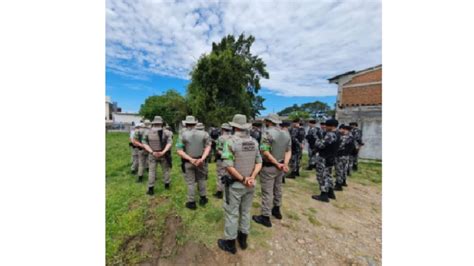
x: 171, y: 106
x: 310, y: 108
x: 226, y: 81
x: 298, y: 114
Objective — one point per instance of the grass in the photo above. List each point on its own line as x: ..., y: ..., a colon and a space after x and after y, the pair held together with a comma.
x: 128, y: 207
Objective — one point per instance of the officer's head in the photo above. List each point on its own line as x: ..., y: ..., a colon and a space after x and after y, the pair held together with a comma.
x: 239, y: 123
x: 272, y: 120
x: 331, y: 124
x: 226, y: 128
x: 323, y: 126
x: 157, y: 122
x: 353, y: 124
x: 190, y: 121
x: 285, y: 124
x: 342, y: 129
x: 296, y: 122
x: 312, y: 122
x: 257, y: 124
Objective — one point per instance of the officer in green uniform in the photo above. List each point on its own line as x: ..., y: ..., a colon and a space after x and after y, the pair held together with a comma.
x: 226, y: 132
x: 242, y: 161
x: 142, y: 154
x: 157, y: 142
x: 194, y: 146
x: 134, y: 149
x: 147, y: 126
x: 200, y: 126
x: 276, y: 151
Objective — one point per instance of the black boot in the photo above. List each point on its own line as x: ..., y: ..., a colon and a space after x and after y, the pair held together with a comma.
x: 344, y: 184
x: 191, y: 205
x: 263, y: 220
x: 276, y: 212
x: 309, y: 168
x: 218, y: 194
x: 331, y: 194
x: 167, y: 186
x: 151, y: 191
x: 297, y: 172
x: 140, y: 179
x: 283, y: 180
x: 227, y: 245
x: 322, y: 197
x: 354, y: 167
x: 338, y: 187
x: 242, y: 239
x: 203, y: 201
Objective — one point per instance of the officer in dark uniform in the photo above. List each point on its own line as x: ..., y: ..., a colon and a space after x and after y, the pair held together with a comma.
x: 297, y: 134
x: 256, y: 131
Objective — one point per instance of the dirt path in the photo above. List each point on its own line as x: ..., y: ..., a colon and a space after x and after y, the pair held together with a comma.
x: 347, y: 231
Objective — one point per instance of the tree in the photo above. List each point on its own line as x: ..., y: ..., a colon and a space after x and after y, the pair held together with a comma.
x: 171, y: 106
x: 313, y: 109
x: 299, y: 114
x: 226, y: 82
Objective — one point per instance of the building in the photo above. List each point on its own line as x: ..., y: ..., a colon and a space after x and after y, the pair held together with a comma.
x: 359, y: 99
x: 116, y: 120
x: 126, y: 118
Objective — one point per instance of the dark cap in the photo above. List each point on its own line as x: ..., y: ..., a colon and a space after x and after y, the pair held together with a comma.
x: 296, y: 120
x: 312, y: 121
x: 285, y: 124
x: 348, y: 128
x: 256, y: 123
x: 332, y: 122
x: 342, y: 126
x: 322, y: 123
x: 353, y: 124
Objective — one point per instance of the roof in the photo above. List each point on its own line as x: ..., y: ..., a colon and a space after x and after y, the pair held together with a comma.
x: 353, y: 72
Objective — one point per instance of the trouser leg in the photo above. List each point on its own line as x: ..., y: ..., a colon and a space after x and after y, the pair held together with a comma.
x: 321, y: 173
x: 267, y: 182
x: 134, y: 159
x: 231, y: 212
x: 277, y: 188
x: 151, y: 171
x: 165, y: 168
x: 201, y: 176
x: 190, y: 177
x: 142, y: 158
x: 340, y: 169
x: 245, y: 206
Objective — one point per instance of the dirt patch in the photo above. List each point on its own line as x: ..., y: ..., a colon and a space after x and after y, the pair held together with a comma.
x: 173, y: 226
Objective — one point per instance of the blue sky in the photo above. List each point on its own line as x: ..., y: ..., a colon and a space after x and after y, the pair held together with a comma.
x: 152, y: 45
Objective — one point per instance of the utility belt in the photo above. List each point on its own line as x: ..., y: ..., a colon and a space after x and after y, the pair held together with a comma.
x: 269, y: 164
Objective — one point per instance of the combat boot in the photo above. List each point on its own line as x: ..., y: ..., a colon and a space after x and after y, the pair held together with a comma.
x: 191, y: 205
x: 331, y: 194
x: 309, y: 168
x: 354, y: 167
x: 227, y: 245
x: 140, y: 179
x: 167, y: 186
x: 242, y: 239
x: 323, y: 197
x: 276, y: 212
x: 263, y: 220
x: 151, y: 191
x: 218, y: 194
x: 344, y: 184
x: 297, y: 172
x: 203, y: 200
x: 338, y: 187
x: 292, y: 175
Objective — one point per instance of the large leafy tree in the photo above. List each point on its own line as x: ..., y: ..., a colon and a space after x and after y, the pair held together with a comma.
x: 171, y: 106
x: 226, y: 81
x: 312, y: 108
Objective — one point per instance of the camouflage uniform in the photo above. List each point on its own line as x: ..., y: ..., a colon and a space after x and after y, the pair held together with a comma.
x: 134, y: 151
x: 157, y: 139
x: 297, y: 138
x: 241, y: 152
x: 327, y: 149
x: 342, y: 159
x: 193, y: 142
x: 354, y: 158
x: 313, y: 134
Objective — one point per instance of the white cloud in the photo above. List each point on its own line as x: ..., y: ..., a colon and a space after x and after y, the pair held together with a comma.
x: 303, y: 43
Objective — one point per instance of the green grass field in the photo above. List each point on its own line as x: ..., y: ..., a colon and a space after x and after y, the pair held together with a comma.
x: 129, y: 210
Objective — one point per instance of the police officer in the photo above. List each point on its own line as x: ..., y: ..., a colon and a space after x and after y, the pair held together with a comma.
x: 313, y: 134
x: 157, y: 142
x: 226, y: 132
x: 242, y: 161
x: 284, y: 126
x: 194, y: 146
x: 346, y: 147
x: 297, y: 137
x: 357, y: 135
x: 147, y: 126
x: 276, y: 152
x: 322, y: 125
x: 200, y: 126
x: 214, y: 133
x: 134, y: 149
x: 327, y: 150
x: 142, y: 154
x: 256, y: 131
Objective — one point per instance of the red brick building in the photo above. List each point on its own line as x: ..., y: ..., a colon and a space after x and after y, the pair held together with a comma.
x: 359, y: 99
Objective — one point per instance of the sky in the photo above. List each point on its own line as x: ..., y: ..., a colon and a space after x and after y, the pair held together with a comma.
x: 151, y: 46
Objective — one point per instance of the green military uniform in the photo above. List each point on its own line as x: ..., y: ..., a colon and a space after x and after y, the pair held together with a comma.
x: 135, y: 150
x: 142, y: 153
x: 242, y: 153
x: 277, y: 142
x: 157, y: 138
x: 219, y: 162
x: 193, y: 142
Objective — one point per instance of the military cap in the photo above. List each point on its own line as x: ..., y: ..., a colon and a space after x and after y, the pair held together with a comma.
x: 273, y: 118
x: 348, y: 127
x: 296, y: 120
x: 200, y: 126
x: 353, y: 124
x: 226, y: 126
x: 190, y: 120
x: 256, y: 123
x: 139, y: 125
x: 146, y: 122
x: 240, y: 121
x: 157, y: 120
x: 285, y: 124
x: 312, y: 121
x: 332, y: 122
x: 342, y: 126
x: 322, y: 123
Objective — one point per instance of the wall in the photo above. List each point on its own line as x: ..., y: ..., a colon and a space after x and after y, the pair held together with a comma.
x: 369, y: 119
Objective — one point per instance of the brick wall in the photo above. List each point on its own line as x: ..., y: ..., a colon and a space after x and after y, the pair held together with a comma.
x: 372, y: 76
x: 364, y: 95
